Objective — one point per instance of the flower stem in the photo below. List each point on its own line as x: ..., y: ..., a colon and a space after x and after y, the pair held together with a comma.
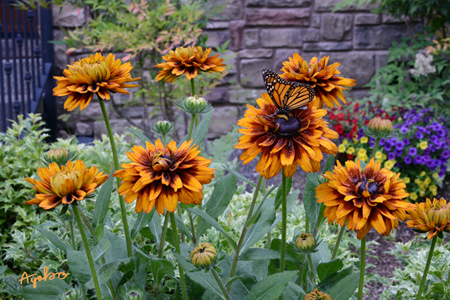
x: 283, y: 221
x: 311, y: 266
x: 224, y: 291
x: 191, y: 220
x: 91, y: 230
x: 336, y: 246
x: 72, y: 235
x: 164, y: 138
x: 116, y: 167
x: 363, y: 267
x: 177, y: 247
x: 244, y: 230
x: 191, y: 127
x: 427, y: 267
x: 193, y: 86
x: 377, y: 142
x: 76, y: 212
x: 163, y: 236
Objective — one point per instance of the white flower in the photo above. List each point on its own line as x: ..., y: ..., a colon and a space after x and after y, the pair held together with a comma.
x: 422, y: 65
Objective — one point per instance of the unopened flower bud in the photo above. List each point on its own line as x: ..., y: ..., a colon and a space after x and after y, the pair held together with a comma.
x: 73, y: 294
x: 134, y: 294
x: 203, y: 255
x: 163, y: 127
x: 317, y: 295
x: 380, y: 128
x: 59, y: 155
x: 194, y: 105
x: 305, y: 242
x: 378, y: 123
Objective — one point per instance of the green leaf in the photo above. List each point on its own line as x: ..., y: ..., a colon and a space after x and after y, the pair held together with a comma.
x: 139, y: 135
x: 292, y: 200
x: 105, y: 272
x: 141, y: 221
x: 328, y: 283
x: 45, y: 290
x: 345, y: 288
x: 259, y: 254
x: 199, y: 133
x: 53, y: 238
x: 312, y: 207
x: 278, y: 196
x: 329, y: 163
x: 160, y: 267
x: 156, y: 228
x: 218, y: 202
x: 102, y: 202
x: 238, y: 175
x: 325, y: 269
x: 258, y: 230
x: 206, y: 280
x: 293, y: 291
x: 208, y: 219
x: 271, y: 287
x: 99, y: 232
x: 182, y: 227
x: 101, y: 248
x: 78, y: 265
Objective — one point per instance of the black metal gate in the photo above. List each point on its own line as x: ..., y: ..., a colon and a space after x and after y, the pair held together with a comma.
x: 26, y: 64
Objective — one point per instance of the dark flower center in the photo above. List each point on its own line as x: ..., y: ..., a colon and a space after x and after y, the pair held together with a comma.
x: 368, y: 186
x: 287, y: 126
x: 161, y: 162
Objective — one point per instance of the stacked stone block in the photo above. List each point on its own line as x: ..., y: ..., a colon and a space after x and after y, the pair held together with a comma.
x: 263, y: 34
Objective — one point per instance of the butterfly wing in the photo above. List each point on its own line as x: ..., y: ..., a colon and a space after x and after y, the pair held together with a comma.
x: 286, y: 94
x: 298, y: 95
x: 277, y: 87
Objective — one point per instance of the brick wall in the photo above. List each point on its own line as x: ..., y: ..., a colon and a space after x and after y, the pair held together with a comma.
x: 262, y: 34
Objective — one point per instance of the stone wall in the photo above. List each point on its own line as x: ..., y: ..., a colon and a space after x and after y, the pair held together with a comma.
x: 262, y: 34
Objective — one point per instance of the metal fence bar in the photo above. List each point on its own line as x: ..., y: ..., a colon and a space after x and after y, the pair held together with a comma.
x: 27, y: 59
x: 2, y: 86
x: 19, y: 40
x: 7, y: 67
x: 16, y: 104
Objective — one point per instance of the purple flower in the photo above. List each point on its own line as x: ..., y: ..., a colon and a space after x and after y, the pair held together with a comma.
x: 398, y: 152
x: 382, y: 142
x: 431, y: 147
x: 412, y: 151
x: 418, y: 160
x: 436, y: 126
x: 407, y: 160
x: 446, y: 154
x: 391, y: 156
x: 399, y: 145
x: 441, y: 172
x: 388, y: 148
x: 427, y: 151
x: 404, y: 129
x: 372, y: 144
x: 419, y: 135
x: 441, y: 133
x: 434, y: 139
x: 406, y: 142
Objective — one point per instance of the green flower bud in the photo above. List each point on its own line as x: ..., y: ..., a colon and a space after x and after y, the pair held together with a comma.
x: 134, y: 293
x: 59, y: 155
x: 163, y: 127
x: 380, y: 128
x: 73, y: 294
x: 305, y: 242
x: 203, y: 255
x: 194, y: 105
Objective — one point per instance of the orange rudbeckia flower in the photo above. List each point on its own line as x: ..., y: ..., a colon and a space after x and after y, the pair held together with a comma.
x: 66, y: 184
x: 162, y: 176
x: 93, y: 75
x: 327, y: 85
x: 188, y: 61
x: 298, y: 139
x: 372, y: 198
x: 432, y: 217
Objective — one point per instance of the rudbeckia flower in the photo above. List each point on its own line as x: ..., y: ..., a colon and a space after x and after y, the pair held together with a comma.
x: 188, y: 61
x: 318, y: 295
x: 66, y: 184
x: 162, y: 176
x: 93, y: 75
x: 324, y: 79
x: 432, y: 217
x: 372, y: 198
x: 203, y: 255
x: 299, y: 139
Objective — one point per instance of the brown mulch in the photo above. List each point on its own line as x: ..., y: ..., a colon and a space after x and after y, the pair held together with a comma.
x: 386, y: 263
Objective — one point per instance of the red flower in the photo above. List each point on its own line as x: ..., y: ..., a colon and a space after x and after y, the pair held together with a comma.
x: 350, y: 156
x: 366, y: 122
x: 332, y: 116
x: 356, y: 106
x: 339, y: 129
x: 340, y: 116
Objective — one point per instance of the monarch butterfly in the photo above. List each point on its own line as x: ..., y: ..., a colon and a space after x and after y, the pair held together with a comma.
x: 287, y: 95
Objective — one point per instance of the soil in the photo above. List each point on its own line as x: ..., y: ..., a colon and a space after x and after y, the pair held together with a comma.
x: 386, y: 264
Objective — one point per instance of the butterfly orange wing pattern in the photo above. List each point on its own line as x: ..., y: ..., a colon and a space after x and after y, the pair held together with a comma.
x: 287, y: 95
